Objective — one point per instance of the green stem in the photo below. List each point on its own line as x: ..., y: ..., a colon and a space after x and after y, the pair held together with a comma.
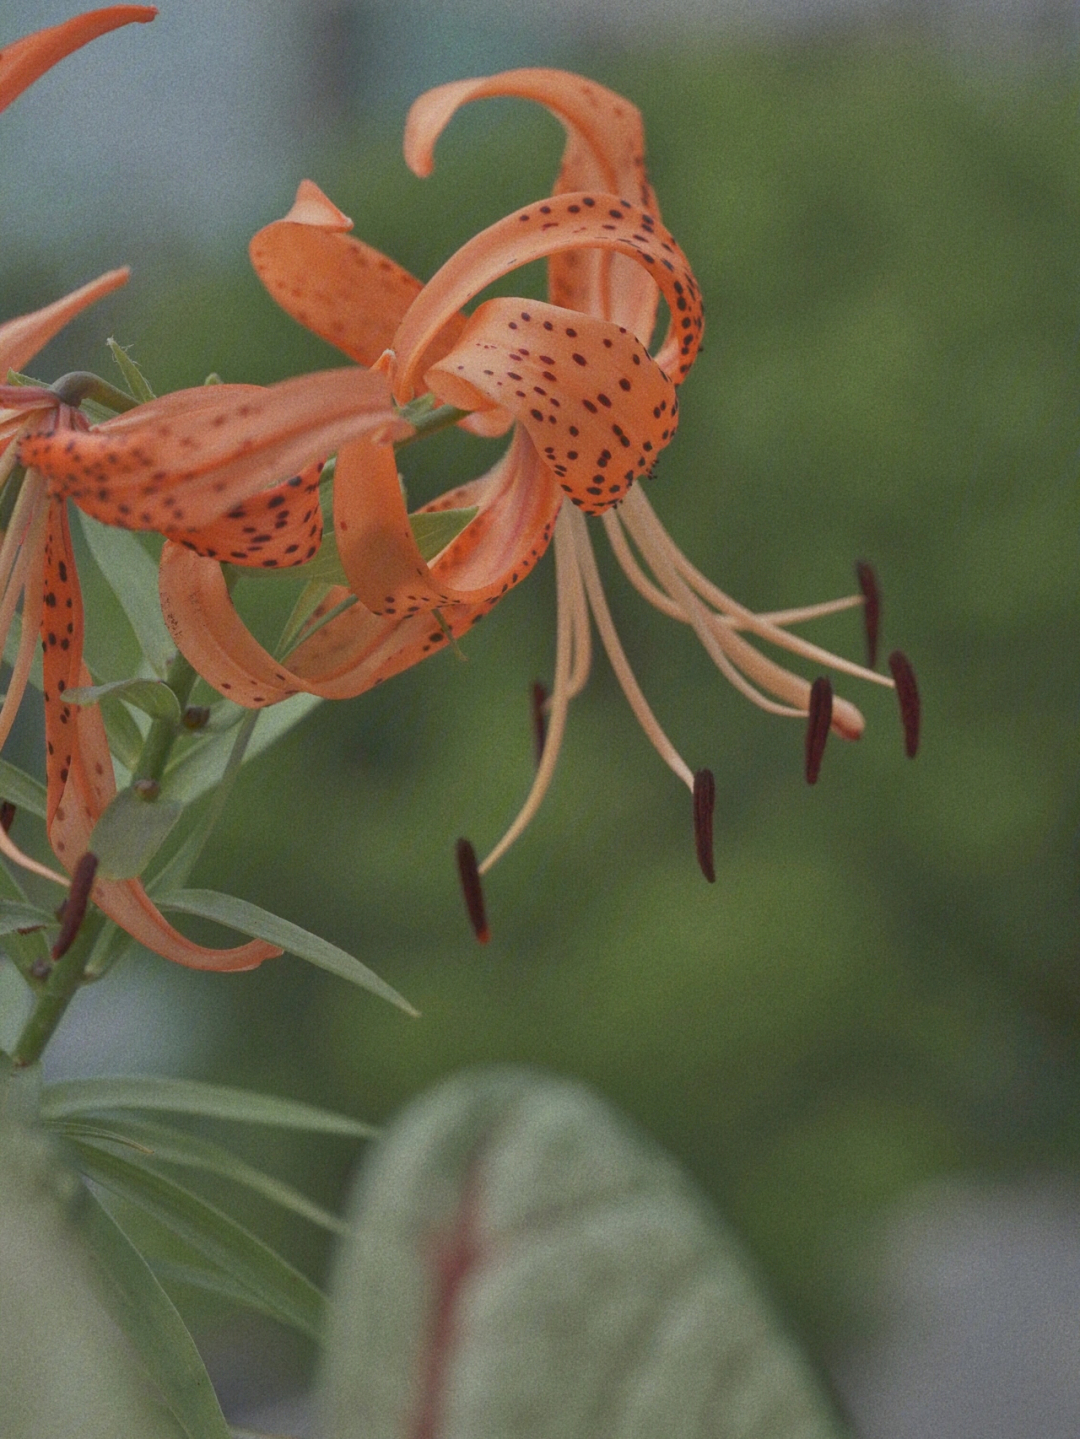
x: 57, y: 993
x: 161, y: 736
x: 426, y: 421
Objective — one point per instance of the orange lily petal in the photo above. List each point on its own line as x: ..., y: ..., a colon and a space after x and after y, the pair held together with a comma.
x: 518, y: 502
x: 26, y: 60
x: 182, y: 461
x: 565, y: 222
x: 598, y: 408
x: 276, y: 528
x: 605, y: 150
x: 23, y: 337
x: 79, y: 768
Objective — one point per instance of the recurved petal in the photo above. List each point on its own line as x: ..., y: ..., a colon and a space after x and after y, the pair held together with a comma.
x: 26, y: 60
x: 23, y: 337
x: 605, y: 151
x: 604, y: 129
x: 186, y: 459
x: 335, y: 285
x: 378, y: 553
x: 598, y: 409
x: 565, y: 223
x: 274, y: 529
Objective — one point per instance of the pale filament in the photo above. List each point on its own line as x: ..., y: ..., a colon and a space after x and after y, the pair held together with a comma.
x: 572, y: 656
x: 726, y: 648
x: 575, y: 523
x: 766, y: 627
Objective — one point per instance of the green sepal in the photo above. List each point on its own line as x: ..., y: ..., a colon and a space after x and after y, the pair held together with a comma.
x: 130, y: 832
x: 153, y: 697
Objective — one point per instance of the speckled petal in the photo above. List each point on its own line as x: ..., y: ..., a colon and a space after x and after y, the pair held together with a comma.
x: 184, y: 460
x: 564, y: 223
x: 605, y: 151
x: 598, y: 409
x: 335, y: 285
x: 26, y: 60
x: 23, y: 337
x: 274, y: 529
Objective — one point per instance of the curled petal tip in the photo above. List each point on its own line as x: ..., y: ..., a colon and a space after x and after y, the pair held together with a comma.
x: 472, y: 890
x: 907, y: 693
x: 819, y: 720
x: 704, y: 802
x: 74, y: 907
x: 871, y: 609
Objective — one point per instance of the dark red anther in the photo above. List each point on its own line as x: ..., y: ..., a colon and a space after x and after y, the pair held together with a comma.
x: 7, y: 815
x: 471, y: 888
x: 74, y: 907
x: 871, y: 609
x: 195, y: 717
x: 539, y: 719
x: 907, y: 692
x: 704, y: 800
x: 817, y: 726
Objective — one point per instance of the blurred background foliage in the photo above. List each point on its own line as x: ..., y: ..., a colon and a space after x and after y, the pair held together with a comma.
x: 883, y: 984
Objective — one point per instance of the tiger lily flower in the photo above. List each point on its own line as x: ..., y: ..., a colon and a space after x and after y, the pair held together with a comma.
x: 26, y: 60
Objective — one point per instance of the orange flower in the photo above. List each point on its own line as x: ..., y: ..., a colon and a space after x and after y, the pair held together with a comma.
x: 26, y: 60
x: 592, y: 409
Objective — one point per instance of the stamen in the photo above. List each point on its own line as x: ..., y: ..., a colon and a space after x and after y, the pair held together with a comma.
x: 7, y: 815
x: 907, y: 692
x: 539, y: 700
x: 74, y: 907
x: 704, y: 800
x: 871, y: 609
x: 817, y: 728
x: 472, y: 889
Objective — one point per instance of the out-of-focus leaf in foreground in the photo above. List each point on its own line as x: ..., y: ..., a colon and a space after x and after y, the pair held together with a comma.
x: 65, y: 1369
x: 522, y: 1262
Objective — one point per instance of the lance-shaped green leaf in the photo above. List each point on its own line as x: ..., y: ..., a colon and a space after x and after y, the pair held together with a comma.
x: 148, y: 1317
x: 74, y: 1097
x: 132, y: 576
x: 522, y: 1262
x: 16, y: 915
x: 21, y: 789
x: 278, y: 1288
x: 163, y: 1144
x: 64, y: 1370
x: 201, y: 764
x: 130, y: 832
x: 249, y: 919
x: 153, y: 697
x: 134, y: 378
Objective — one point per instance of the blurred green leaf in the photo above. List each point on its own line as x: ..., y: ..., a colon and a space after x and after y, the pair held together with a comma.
x: 190, y: 1096
x: 167, y: 1145
x: 200, y: 766
x: 149, y: 1319
x: 130, y: 832
x: 63, y: 1372
x: 434, y: 531
x: 279, y: 1288
x: 21, y: 789
x: 506, y: 1215
x: 16, y: 915
x: 250, y: 919
x: 132, y: 576
x: 124, y: 735
x: 153, y: 697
